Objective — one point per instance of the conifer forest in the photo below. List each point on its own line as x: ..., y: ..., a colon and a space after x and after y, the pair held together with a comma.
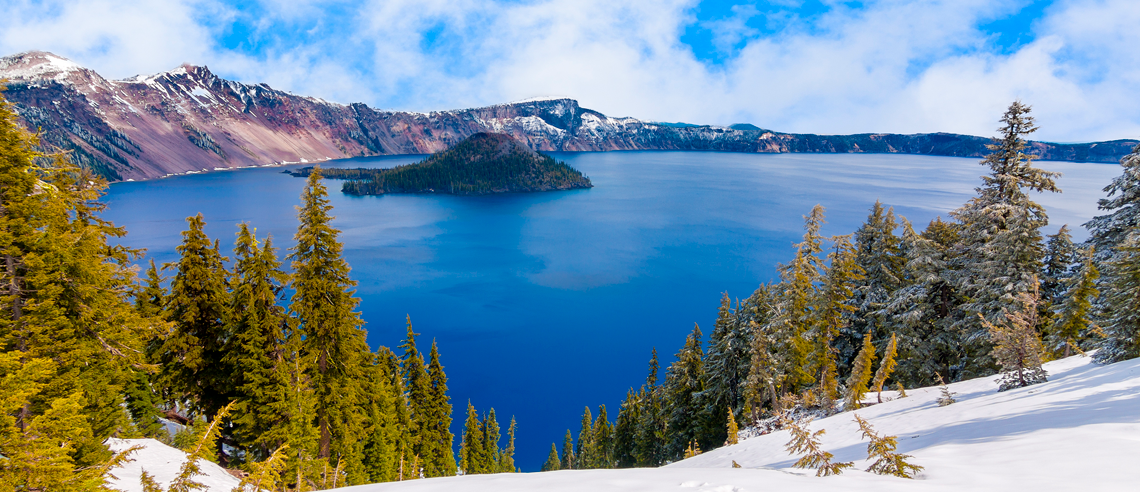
x: 256, y: 358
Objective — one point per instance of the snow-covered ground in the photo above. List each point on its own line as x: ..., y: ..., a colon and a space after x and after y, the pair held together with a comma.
x: 163, y: 463
x: 1079, y: 431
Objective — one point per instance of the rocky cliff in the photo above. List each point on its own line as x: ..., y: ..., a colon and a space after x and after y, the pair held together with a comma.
x: 190, y: 120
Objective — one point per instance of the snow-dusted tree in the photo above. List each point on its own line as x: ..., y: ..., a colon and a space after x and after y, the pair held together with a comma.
x: 1000, y: 252
x: 726, y: 365
x: 1060, y: 256
x: 1121, y: 292
x: 789, y: 326
x: 683, y: 381
x: 1108, y: 231
x: 947, y: 396
x: 1016, y: 346
x: 879, y: 254
x: 922, y: 312
x: 732, y: 431
x: 807, y: 443
x: 1073, y: 321
x: 860, y: 374
x: 881, y: 449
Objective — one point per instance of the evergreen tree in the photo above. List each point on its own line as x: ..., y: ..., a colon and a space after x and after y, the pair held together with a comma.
x: 924, y: 310
x: 879, y: 256
x: 472, y: 450
x: 792, y: 312
x: 585, y: 451
x: 385, y: 435
x: 726, y: 366
x: 334, y: 338
x: 436, y: 439
x: 1000, y: 251
x: 568, y: 452
x: 807, y: 443
x: 833, y: 307
x: 507, y: 457
x: 625, y: 430
x: 683, y: 381
x: 491, y: 436
x: 1121, y: 323
x: 1060, y: 256
x: 603, y: 440
x: 192, y: 355
x: 882, y: 450
x: 552, y: 461
x: 258, y: 329
x: 417, y: 383
x: 1017, y: 347
x: 732, y: 430
x: 1073, y: 323
x: 649, y: 446
x: 1107, y: 232
x: 860, y: 374
x: 886, y: 367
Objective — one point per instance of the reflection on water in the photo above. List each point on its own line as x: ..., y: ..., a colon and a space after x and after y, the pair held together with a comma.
x: 546, y: 302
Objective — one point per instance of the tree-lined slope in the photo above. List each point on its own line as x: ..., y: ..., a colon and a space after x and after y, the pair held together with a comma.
x: 482, y: 164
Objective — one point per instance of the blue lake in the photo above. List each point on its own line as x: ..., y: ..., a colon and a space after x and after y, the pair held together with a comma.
x: 543, y: 303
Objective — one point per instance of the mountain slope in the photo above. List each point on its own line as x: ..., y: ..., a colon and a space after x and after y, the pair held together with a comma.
x: 190, y: 120
x: 1080, y: 430
x: 484, y: 163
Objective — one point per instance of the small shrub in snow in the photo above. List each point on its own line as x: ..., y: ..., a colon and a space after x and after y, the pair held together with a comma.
x: 947, y: 397
x: 807, y: 443
x: 882, y: 451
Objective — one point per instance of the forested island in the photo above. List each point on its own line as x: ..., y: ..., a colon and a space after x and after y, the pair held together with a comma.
x: 483, y: 164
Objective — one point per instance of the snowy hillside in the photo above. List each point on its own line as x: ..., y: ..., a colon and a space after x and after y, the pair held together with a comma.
x: 163, y: 463
x: 1081, y: 430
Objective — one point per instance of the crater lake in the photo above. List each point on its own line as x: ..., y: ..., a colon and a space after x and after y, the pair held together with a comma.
x: 544, y: 303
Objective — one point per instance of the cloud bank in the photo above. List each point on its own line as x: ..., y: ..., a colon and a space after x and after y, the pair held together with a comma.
x: 799, y: 66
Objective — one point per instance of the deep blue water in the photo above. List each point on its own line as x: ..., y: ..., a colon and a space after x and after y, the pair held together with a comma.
x: 543, y: 303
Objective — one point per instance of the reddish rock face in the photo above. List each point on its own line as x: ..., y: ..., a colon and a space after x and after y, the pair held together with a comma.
x: 190, y: 120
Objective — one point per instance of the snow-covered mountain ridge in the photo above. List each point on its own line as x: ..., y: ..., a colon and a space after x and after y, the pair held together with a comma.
x: 1079, y: 431
x: 190, y: 120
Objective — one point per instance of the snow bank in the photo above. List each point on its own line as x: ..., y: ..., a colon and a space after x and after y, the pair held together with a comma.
x: 163, y: 463
x: 1079, y: 431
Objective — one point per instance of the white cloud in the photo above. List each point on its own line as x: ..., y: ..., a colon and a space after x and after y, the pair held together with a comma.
x: 891, y: 65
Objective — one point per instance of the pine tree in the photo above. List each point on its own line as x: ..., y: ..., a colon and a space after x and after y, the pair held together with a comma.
x: 257, y: 326
x: 385, y: 434
x: 507, y: 457
x: 472, y: 450
x: 1000, y: 251
x: 682, y: 382
x: 1060, y: 256
x: 65, y: 296
x: 625, y: 430
x: 725, y: 366
x: 860, y: 374
x: 879, y: 256
x: 807, y: 443
x: 436, y: 439
x: 552, y: 461
x: 1017, y: 347
x: 732, y: 430
x: 792, y: 312
x: 882, y: 450
x: 568, y: 452
x: 886, y: 367
x: 1121, y: 293
x: 417, y: 383
x: 603, y: 440
x: 586, y: 449
x: 946, y: 396
x: 333, y: 332
x: 491, y: 436
x: 1073, y: 323
x: 1107, y: 232
x: 831, y: 313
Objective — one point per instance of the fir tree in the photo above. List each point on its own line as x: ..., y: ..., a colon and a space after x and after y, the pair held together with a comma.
x: 1000, y: 251
x: 1074, y: 313
x: 568, y: 452
x: 879, y: 256
x: 385, y: 435
x: 1060, y: 256
x: 472, y: 451
x: 436, y: 439
x: 1107, y: 232
x: 257, y: 326
x: 507, y: 457
x: 1017, y: 347
x: 491, y: 436
x: 834, y: 304
x: 603, y: 440
x: 682, y: 382
x: 725, y: 366
x: 651, y: 427
x: 946, y: 396
x: 552, y: 461
x: 585, y: 449
x: 732, y: 430
x: 792, y: 314
x: 860, y: 374
x: 324, y: 303
x: 886, y: 367
x: 1121, y: 323
x: 625, y: 430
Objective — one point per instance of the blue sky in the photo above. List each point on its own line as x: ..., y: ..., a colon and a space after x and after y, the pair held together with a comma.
x: 821, y: 66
